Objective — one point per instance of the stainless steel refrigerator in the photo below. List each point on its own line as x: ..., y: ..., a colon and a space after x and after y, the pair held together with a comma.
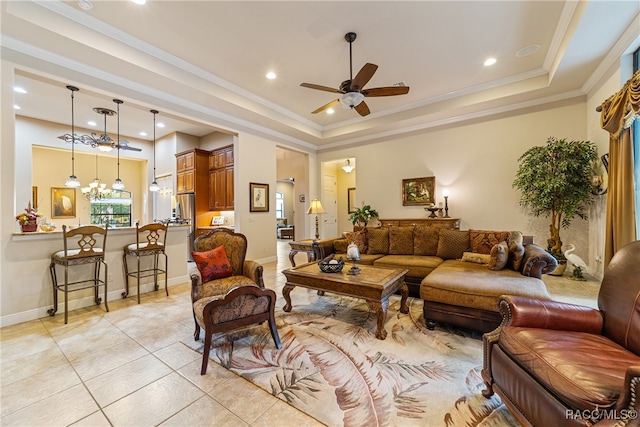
x: 186, y: 210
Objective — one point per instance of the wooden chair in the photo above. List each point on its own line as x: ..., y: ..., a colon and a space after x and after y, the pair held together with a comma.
x: 232, y: 302
x: 150, y: 241
x: 90, y: 250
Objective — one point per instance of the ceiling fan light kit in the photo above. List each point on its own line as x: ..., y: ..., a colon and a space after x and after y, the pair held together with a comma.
x: 352, y: 91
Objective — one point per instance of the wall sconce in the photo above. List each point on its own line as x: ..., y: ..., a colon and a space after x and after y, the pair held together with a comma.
x: 598, y: 171
x: 347, y: 166
x: 316, y: 208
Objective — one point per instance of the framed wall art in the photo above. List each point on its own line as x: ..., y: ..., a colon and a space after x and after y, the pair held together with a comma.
x: 418, y: 191
x: 63, y: 202
x: 259, y: 194
x: 351, y: 200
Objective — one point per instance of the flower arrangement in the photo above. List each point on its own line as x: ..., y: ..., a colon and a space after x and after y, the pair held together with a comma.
x: 363, y: 214
x: 29, y: 214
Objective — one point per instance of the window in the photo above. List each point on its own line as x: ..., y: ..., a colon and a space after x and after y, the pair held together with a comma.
x: 115, y: 211
x: 279, y: 205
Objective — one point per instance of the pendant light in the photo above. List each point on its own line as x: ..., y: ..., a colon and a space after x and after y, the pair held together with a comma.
x: 118, y: 184
x: 72, y: 181
x: 154, y: 185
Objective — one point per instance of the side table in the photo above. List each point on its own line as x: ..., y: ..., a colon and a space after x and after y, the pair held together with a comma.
x: 302, y: 246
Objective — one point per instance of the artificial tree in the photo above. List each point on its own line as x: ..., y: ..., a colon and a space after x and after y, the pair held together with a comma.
x: 555, y: 181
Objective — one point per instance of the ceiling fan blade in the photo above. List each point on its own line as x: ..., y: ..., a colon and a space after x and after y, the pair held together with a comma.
x: 363, y: 76
x: 362, y: 109
x: 386, y: 91
x: 326, y: 106
x: 320, y: 87
x: 124, y: 145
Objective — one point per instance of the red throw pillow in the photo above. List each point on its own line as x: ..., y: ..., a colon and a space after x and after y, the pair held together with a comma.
x: 213, y: 264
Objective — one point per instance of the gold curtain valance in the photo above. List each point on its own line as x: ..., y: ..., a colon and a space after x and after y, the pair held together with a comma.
x: 616, y: 107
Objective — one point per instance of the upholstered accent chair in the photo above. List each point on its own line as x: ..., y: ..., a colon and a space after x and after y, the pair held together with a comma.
x: 558, y: 364
x: 227, y: 290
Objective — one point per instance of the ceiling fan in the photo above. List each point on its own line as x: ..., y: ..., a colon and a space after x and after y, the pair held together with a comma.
x: 103, y: 142
x: 352, y: 91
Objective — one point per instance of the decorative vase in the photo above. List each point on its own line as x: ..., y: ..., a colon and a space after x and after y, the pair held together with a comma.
x: 30, y: 226
x: 562, y: 266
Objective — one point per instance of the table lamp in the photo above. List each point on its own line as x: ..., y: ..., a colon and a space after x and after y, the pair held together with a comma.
x: 316, y: 208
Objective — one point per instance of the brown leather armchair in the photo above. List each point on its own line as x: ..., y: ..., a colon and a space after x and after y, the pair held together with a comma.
x: 557, y: 364
x: 232, y: 302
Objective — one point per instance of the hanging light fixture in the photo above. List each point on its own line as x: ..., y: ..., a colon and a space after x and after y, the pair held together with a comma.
x: 347, y: 166
x: 154, y: 185
x: 118, y: 184
x: 96, y: 189
x: 72, y: 181
x: 103, y: 142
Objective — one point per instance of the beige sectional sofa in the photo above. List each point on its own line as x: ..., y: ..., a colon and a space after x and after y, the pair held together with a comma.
x: 448, y: 270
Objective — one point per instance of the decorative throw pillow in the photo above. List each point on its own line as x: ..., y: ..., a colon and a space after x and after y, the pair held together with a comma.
x: 482, y: 241
x: 378, y: 240
x: 499, y: 256
x: 452, y: 244
x: 516, y: 236
x: 360, y: 239
x: 213, y: 264
x: 401, y: 240
x: 425, y: 240
x: 516, y: 255
x: 476, y: 258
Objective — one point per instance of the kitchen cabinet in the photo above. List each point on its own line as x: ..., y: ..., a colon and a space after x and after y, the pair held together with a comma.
x: 192, y: 176
x: 221, y: 189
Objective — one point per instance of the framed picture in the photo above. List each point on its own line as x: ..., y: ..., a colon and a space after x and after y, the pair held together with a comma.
x: 418, y: 191
x: 34, y: 197
x: 63, y: 202
x: 351, y: 199
x: 259, y: 194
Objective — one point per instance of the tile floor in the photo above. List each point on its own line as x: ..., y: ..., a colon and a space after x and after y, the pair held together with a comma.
x: 128, y: 367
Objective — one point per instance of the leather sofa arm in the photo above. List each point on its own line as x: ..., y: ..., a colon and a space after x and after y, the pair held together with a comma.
x: 545, y: 314
x: 254, y: 271
x: 628, y: 404
x: 324, y: 247
x: 537, y: 261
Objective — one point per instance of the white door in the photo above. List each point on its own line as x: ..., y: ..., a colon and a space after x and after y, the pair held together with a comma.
x: 330, y: 205
x: 164, y: 196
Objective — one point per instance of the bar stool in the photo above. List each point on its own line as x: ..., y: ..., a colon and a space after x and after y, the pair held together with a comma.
x: 150, y: 241
x: 89, y: 251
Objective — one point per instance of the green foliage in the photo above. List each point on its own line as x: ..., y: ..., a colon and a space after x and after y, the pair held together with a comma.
x: 555, y: 181
x: 363, y: 214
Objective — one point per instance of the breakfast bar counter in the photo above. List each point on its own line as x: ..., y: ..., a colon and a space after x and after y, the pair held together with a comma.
x: 26, y: 289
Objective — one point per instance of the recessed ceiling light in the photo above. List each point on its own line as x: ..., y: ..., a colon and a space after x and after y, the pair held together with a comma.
x: 84, y: 4
x: 139, y: 1
x: 271, y: 75
x: 526, y: 51
x: 330, y: 111
x: 92, y: 123
x: 490, y: 61
x: 19, y: 89
x: 143, y: 133
x: 16, y: 107
x: 160, y: 125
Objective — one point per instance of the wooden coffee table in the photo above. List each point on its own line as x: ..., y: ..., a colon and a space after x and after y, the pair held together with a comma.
x: 375, y: 285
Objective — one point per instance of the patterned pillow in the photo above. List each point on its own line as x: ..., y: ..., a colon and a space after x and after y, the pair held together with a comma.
x: 378, y: 240
x: 452, y: 244
x: 516, y: 255
x: 499, y: 256
x: 213, y: 264
x: 425, y: 240
x: 482, y: 241
x: 476, y: 258
x: 340, y: 246
x: 360, y: 239
x: 401, y: 240
x: 516, y: 236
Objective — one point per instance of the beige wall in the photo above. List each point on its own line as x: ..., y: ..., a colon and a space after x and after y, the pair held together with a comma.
x: 476, y: 161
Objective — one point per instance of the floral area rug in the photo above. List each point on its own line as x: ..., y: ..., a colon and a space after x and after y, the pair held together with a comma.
x: 333, y: 368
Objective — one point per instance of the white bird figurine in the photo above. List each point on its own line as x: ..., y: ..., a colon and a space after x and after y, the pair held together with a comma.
x: 578, y: 263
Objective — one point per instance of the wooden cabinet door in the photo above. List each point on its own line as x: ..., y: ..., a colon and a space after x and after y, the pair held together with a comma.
x: 228, y: 158
x: 185, y: 162
x: 217, y: 186
x: 185, y: 181
x: 229, y: 199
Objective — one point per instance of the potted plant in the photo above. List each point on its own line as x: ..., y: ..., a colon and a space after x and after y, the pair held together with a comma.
x: 363, y: 215
x: 555, y: 181
x: 28, y: 219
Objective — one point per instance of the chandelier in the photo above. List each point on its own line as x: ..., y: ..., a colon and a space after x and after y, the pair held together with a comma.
x: 96, y: 190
